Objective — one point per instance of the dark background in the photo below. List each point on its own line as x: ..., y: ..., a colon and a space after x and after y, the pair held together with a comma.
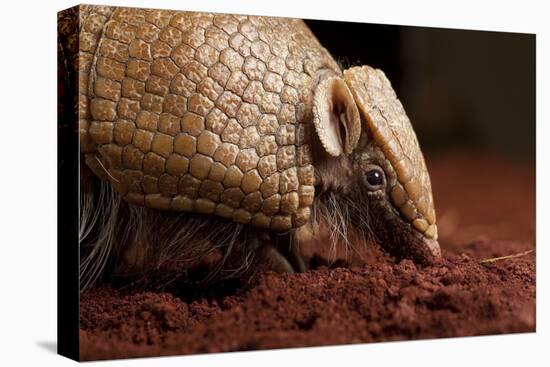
x: 461, y: 89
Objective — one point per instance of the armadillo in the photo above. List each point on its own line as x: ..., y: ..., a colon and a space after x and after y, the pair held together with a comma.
x: 244, y: 122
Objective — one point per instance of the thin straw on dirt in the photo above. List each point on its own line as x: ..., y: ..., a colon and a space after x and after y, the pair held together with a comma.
x: 494, y: 259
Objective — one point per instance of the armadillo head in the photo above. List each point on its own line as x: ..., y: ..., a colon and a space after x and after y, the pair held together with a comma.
x: 359, y: 119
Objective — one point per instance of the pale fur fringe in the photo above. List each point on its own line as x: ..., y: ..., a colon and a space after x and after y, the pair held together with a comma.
x: 109, y: 225
x: 345, y: 219
x: 99, y: 210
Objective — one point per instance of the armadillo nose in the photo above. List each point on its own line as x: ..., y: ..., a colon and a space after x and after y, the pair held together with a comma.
x: 433, y: 247
x: 426, y: 251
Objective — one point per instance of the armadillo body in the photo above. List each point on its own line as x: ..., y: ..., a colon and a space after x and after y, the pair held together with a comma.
x: 200, y: 112
x: 210, y: 131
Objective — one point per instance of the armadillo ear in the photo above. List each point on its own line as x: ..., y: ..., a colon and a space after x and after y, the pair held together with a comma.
x: 335, y: 116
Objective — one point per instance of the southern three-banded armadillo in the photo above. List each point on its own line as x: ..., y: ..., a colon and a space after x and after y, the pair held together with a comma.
x: 233, y: 132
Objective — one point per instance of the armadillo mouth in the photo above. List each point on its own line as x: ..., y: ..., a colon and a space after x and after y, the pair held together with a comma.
x: 433, y: 247
x: 393, y: 134
x: 401, y: 240
x: 424, y: 250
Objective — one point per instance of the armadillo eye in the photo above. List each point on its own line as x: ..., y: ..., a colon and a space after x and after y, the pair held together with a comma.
x: 375, y: 179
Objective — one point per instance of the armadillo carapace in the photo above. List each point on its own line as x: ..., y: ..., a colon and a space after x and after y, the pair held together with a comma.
x: 249, y: 119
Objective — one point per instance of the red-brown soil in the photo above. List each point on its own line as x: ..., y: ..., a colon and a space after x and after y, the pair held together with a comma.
x: 486, y: 209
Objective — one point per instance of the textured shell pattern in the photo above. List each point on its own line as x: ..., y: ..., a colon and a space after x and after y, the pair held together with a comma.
x: 393, y: 133
x: 201, y: 112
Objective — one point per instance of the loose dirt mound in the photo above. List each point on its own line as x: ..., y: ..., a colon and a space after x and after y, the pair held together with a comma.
x: 486, y: 209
